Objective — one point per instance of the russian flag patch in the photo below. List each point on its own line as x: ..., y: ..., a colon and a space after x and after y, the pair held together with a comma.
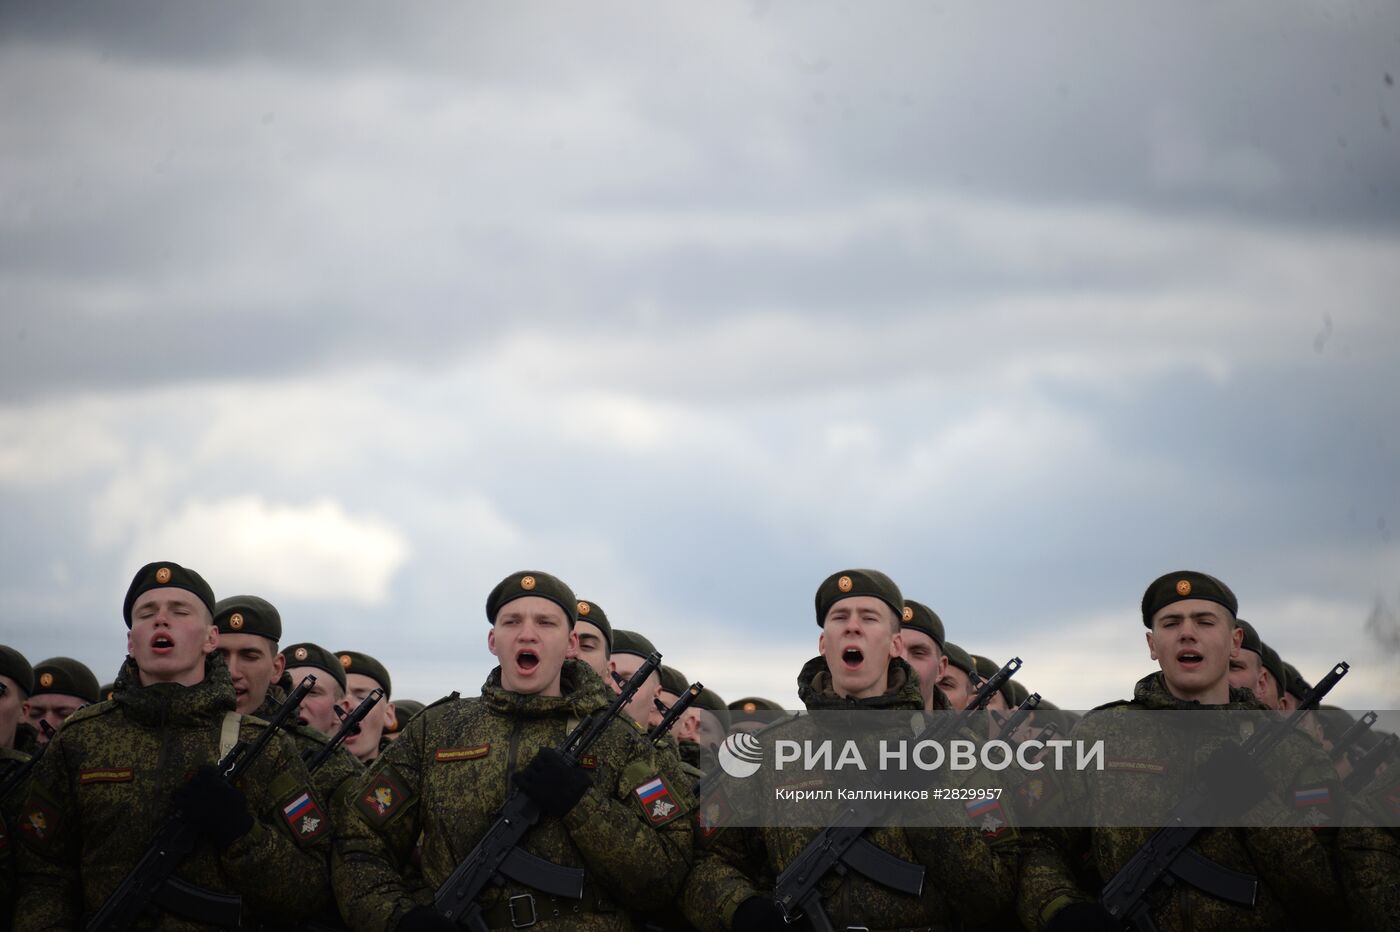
x: 986, y: 814
x: 1317, y: 796
x: 304, y: 818
x: 656, y: 801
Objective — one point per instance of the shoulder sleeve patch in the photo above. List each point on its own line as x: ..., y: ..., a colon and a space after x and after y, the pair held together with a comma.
x: 304, y: 818
x: 40, y: 826
x: 383, y: 798
x: 658, y: 805
x: 987, y: 815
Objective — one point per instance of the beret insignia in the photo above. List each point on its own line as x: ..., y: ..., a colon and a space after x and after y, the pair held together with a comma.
x: 1183, y: 587
x: 46, y: 680
x: 583, y: 608
x: 235, y: 621
x: 345, y: 661
x: 527, y: 582
x: 844, y: 584
x: 750, y: 706
x: 300, y: 653
x: 908, y: 613
x: 163, y: 575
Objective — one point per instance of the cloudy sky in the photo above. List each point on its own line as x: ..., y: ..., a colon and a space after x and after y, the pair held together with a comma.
x: 362, y: 307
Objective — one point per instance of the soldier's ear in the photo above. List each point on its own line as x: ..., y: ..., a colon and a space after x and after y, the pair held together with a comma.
x: 211, y: 639
x: 897, y: 645
x: 1151, y: 648
x: 1236, y: 641
x: 491, y: 641
x: 278, y: 665
x: 572, y: 649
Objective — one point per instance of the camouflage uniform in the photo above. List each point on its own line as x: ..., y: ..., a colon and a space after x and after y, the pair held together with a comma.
x: 740, y: 863
x: 104, y: 789
x: 26, y: 743
x: 450, y: 771
x: 338, y: 770
x: 1370, y: 857
x: 1293, y: 864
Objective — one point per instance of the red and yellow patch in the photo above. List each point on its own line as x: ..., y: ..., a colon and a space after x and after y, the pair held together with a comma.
x: 712, y: 814
x: 111, y: 775
x: 588, y: 762
x: 449, y: 755
x: 384, y: 798
x: 39, y: 825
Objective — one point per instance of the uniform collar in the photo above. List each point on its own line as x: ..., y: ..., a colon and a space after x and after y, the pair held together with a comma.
x: 815, y: 689
x: 1151, y: 692
x: 171, y: 703
x: 582, y: 690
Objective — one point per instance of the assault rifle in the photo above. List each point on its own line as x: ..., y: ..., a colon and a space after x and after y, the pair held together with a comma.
x: 674, y: 712
x: 1352, y: 735
x: 21, y: 771
x: 1009, y: 725
x: 348, y: 726
x: 498, y: 856
x: 840, y: 846
x: 1364, y: 770
x: 1167, y: 857
x: 152, y: 881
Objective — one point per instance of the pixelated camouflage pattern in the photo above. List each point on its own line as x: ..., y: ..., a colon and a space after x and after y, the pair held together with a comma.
x: 448, y: 774
x: 26, y: 742
x: 1293, y: 864
x: 142, y: 746
x: 961, y: 867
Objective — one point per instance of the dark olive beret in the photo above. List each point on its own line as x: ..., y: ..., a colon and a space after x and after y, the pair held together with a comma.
x: 365, y: 665
x: 248, y: 614
x: 314, y: 655
x: 630, y: 642
x: 1297, y: 686
x: 1251, y: 640
x: 13, y: 665
x: 532, y: 582
x: 959, y: 658
x: 710, y: 701
x: 673, y: 680
x: 1185, y: 584
x: 1334, y: 721
x: 1274, y: 664
x: 849, y: 583
x: 593, y: 613
x: 166, y: 576
x: 66, y: 677
x: 404, y: 710
x: 1019, y: 693
x: 752, y: 708
x: 922, y: 618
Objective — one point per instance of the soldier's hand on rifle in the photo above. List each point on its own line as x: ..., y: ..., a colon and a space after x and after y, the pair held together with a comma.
x: 424, y: 919
x: 1234, y: 779
x: 758, y: 914
x: 216, y: 806
x: 1083, y: 917
x: 553, y: 783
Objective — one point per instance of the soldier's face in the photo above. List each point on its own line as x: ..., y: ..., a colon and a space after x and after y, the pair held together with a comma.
x: 922, y: 653
x: 956, y: 686
x: 11, y: 710
x: 702, y: 727
x: 254, y: 664
x: 1192, y: 640
x: 592, y: 647
x: 532, y: 638
x: 365, y: 744
x: 1245, y: 667
x: 318, y: 708
x: 52, y: 708
x: 171, y: 633
x: 641, y: 706
x: 858, y: 639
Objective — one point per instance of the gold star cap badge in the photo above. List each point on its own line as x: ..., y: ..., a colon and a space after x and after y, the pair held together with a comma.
x: 527, y: 582
x: 750, y: 706
x: 163, y: 575
x: 299, y: 653
x: 908, y: 613
x: 1183, y: 587
x: 235, y: 621
x: 583, y: 608
x: 844, y: 584
x: 46, y: 680
x: 345, y: 661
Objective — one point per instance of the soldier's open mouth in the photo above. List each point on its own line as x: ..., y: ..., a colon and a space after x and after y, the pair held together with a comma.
x: 527, y: 660
x: 162, y: 644
x: 852, y: 657
x: 1189, y: 659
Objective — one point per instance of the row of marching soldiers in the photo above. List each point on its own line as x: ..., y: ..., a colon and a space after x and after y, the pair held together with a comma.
x: 355, y: 811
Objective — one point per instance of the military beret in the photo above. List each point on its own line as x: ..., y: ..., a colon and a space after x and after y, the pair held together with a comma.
x: 593, y: 613
x: 166, y: 576
x: 1297, y: 686
x: 753, y: 708
x: 630, y: 642
x: 710, y: 701
x: 922, y: 618
x: 959, y: 658
x: 673, y: 680
x: 1335, y: 721
x: 108, y: 690
x: 66, y: 677
x: 1251, y: 640
x: 248, y: 614
x: 404, y: 710
x: 365, y: 665
x: 1185, y: 584
x: 850, y: 583
x: 1274, y: 664
x: 532, y: 582
x: 1019, y: 693
x: 307, y: 654
x: 13, y: 665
